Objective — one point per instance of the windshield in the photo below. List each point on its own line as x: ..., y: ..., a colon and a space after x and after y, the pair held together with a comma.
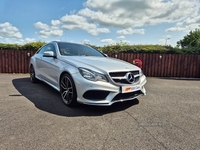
x: 70, y: 49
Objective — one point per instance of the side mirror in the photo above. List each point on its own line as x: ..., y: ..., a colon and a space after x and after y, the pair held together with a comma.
x: 105, y: 55
x: 49, y: 54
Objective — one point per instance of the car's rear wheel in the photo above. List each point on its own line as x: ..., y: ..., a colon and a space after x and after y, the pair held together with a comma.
x: 68, y: 90
x: 32, y: 75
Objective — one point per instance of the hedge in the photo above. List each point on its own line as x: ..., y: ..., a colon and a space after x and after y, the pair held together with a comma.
x: 117, y: 48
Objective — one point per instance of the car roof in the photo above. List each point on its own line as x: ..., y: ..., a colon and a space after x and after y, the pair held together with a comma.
x: 66, y: 42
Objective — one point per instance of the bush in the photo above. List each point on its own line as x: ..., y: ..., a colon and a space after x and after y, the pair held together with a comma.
x: 125, y: 48
x: 117, y: 48
x: 28, y: 46
x: 33, y: 45
x: 10, y: 46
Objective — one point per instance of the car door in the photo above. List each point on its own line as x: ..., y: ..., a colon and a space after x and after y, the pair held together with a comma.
x: 48, y: 66
x: 39, y: 62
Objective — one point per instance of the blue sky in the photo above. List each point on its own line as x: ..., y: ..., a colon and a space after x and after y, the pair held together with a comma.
x: 98, y: 22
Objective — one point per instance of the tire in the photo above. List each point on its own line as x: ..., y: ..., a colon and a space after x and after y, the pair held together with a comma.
x: 68, y: 90
x: 32, y: 75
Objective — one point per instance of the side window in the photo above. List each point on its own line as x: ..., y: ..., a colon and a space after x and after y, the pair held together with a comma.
x: 49, y: 47
x: 42, y: 50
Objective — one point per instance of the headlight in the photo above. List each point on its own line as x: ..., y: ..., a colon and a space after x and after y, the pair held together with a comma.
x: 92, y: 75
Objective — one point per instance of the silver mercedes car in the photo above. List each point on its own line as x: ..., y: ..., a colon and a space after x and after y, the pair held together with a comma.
x: 85, y: 75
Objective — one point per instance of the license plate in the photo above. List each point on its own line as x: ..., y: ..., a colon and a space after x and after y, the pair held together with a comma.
x: 127, y: 89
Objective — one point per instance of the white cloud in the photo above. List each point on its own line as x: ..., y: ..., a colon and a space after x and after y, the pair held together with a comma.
x: 108, y: 41
x: 55, y: 22
x: 7, y: 30
x: 71, y: 22
x: 98, y: 16
x: 102, y: 18
x: 190, y: 23
x: 72, y: 19
x: 121, y: 37
x: 12, y: 40
x: 96, y: 31
x: 86, y: 41
x: 47, y: 31
x: 41, y: 26
x: 129, y: 14
x: 18, y: 40
x: 28, y: 40
x: 192, y: 20
x: 175, y: 29
x: 131, y: 31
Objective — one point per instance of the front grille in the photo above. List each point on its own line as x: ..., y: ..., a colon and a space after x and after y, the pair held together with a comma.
x: 120, y: 77
x: 127, y: 96
x: 120, y: 74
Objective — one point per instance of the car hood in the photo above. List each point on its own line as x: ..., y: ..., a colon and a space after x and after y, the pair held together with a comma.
x: 99, y: 64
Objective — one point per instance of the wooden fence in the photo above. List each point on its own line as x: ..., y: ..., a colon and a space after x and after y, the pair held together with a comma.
x: 166, y: 65
x: 154, y: 65
x: 15, y: 61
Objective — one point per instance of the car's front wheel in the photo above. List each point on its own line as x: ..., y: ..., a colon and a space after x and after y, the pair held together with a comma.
x: 68, y: 90
x: 32, y: 75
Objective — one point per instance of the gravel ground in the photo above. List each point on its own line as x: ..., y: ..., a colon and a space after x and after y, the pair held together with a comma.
x: 32, y: 116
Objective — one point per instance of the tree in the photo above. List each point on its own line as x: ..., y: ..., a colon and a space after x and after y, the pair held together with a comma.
x: 33, y: 45
x: 191, y: 40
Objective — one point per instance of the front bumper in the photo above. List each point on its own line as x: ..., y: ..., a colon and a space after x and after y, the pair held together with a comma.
x: 107, y: 93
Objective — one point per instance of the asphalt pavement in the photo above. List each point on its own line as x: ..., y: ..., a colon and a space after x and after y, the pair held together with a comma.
x: 33, y: 117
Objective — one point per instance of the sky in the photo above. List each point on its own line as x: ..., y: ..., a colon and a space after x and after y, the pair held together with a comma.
x: 98, y: 22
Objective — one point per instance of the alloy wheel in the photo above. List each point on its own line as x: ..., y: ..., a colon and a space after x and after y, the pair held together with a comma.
x: 32, y: 74
x: 68, y: 91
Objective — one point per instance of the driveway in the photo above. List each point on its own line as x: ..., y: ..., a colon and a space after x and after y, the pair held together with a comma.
x: 32, y: 116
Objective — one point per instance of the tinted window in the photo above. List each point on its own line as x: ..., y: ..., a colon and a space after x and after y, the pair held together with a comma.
x: 49, y: 47
x: 70, y: 49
